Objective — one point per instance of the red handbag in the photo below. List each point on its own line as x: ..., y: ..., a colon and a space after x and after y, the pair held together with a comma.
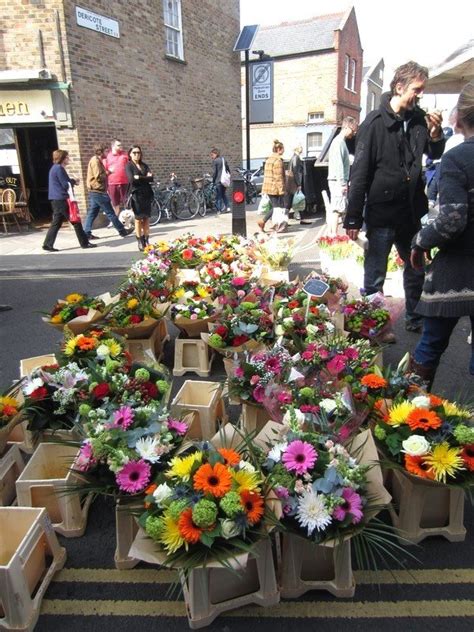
x: 74, y: 216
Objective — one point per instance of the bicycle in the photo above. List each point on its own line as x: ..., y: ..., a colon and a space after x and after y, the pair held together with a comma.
x: 174, y: 201
x: 205, y: 192
x: 251, y: 192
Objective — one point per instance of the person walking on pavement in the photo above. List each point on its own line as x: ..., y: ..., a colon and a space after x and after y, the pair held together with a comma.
x: 386, y: 179
x: 58, y: 193
x: 99, y: 199
x: 115, y: 164
x: 338, y: 174
x: 139, y: 177
x: 274, y: 184
x: 294, y: 182
x: 448, y: 291
x: 221, y: 180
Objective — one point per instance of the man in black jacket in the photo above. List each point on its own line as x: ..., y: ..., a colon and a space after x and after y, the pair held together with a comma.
x: 387, y: 187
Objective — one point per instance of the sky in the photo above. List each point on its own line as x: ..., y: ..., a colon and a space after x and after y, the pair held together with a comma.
x: 398, y: 31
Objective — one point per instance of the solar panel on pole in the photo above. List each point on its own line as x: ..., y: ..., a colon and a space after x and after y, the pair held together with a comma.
x: 246, y: 38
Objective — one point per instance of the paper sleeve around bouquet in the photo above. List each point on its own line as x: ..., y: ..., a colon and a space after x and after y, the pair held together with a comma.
x: 194, y: 328
x: 146, y: 327
x: 80, y: 324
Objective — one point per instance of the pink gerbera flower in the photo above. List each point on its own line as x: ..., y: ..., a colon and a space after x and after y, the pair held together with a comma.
x: 299, y: 456
x: 123, y: 417
x: 85, y: 459
x: 134, y: 476
x: 180, y: 427
x: 352, y: 505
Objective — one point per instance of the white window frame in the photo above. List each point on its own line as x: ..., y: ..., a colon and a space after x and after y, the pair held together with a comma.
x: 353, y: 74
x: 314, y: 148
x: 347, y: 61
x: 315, y: 116
x: 373, y: 101
x: 173, y: 29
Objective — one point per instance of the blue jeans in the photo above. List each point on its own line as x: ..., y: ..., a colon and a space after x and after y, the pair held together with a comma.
x: 435, y: 339
x: 380, y: 242
x: 101, y: 202
x: 222, y: 203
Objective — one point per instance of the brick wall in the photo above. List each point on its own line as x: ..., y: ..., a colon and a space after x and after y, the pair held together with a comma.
x: 127, y: 87
x: 348, y: 43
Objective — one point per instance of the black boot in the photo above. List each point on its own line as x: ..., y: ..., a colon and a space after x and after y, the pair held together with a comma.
x: 140, y: 243
x: 144, y: 241
x: 426, y: 373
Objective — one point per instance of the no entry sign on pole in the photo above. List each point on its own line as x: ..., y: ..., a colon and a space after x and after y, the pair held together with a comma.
x: 261, y: 92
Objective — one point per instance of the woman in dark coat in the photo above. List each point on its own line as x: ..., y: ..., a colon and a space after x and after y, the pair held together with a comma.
x: 448, y: 291
x: 139, y: 178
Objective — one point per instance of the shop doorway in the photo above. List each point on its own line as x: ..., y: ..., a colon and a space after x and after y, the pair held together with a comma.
x: 35, y: 146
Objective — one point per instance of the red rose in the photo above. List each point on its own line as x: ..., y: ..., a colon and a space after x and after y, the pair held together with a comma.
x: 151, y: 389
x: 136, y: 318
x: 39, y: 393
x: 239, y: 340
x: 293, y: 304
x: 81, y: 311
x: 101, y: 390
x: 221, y: 331
x: 187, y: 254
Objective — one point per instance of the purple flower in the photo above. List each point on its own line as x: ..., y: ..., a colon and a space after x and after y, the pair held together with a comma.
x: 134, y: 476
x: 299, y: 456
x: 180, y: 427
x: 282, y: 492
x: 123, y: 417
x: 352, y: 505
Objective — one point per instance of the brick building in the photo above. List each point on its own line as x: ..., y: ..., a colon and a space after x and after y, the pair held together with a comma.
x: 372, y: 87
x: 147, y: 72
x: 317, y: 79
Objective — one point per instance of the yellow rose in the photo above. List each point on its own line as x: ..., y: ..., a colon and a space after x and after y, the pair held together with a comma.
x: 132, y: 303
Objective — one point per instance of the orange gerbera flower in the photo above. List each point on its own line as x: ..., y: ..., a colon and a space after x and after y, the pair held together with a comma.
x: 253, y: 504
x: 187, y: 528
x: 148, y: 491
x: 85, y: 343
x: 372, y: 380
x: 416, y: 465
x: 231, y: 457
x: 423, y: 419
x: 213, y: 480
x: 380, y: 406
x: 435, y: 401
x: 467, y: 456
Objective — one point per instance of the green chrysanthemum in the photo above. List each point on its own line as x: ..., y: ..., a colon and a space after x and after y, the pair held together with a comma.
x: 204, y: 513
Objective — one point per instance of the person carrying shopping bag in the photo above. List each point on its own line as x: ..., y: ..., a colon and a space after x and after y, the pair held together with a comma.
x: 274, y: 187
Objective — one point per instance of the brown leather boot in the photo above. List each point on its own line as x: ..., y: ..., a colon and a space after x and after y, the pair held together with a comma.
x: 426, y: 373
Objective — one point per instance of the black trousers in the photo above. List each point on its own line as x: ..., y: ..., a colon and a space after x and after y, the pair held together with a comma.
x: 60, y: 213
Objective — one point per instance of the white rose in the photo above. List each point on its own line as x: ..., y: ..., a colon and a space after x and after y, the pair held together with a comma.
x: 328, y: 405
x: 32, y: 385
x: 161, y: 493
x: 102, y: 351
x: 416, y: 446
x: 421, y: 401
x: 248, y: 467
x: 229, y: 529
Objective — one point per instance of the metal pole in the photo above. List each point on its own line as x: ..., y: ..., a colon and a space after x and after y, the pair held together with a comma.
x: 247, y: 107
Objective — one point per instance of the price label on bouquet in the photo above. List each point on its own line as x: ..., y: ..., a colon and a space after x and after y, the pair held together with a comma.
x: 316, y: 287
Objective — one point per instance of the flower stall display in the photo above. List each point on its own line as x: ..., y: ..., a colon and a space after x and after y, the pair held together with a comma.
x: 300, y: 320
x: 366, y: 317
x: 192, y: 316
x: 152, y: 274
x: 78, y: 311
x: 97, y: 346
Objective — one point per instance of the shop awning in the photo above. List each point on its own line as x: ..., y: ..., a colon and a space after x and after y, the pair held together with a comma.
x: 454, y: 72
x: 25, y: 75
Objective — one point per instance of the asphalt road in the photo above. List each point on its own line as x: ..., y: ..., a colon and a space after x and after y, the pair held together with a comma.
x: 436, y: 593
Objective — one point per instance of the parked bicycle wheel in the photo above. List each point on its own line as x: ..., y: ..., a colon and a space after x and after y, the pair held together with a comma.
x: 183, y: 206
x: 250, y: 193
x: 155, y: 216
x: 201, y: 199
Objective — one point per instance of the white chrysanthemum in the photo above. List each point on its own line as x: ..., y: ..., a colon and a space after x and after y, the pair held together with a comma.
x: 312, y: 512
x: 32, y: 385
x: 147, y: 449
x: 276, y: 451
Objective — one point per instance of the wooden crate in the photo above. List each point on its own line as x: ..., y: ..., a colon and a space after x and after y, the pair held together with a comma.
x: 126, y: 528
x: 151, y: 348
x: 28, y: 365
x: 422, y: 508
x: 254, y: 417
x: 25, y: 439
x: 206, y: 399
x: 192, y: 354
x: 306, y: 566
x: 209, y: 592
x: 29, y: 556
x: 11, y: 466
x: 43, y: 483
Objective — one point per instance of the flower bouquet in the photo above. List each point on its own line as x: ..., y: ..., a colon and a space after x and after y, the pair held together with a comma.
x: 300, y: 320
x: 11, y: 416
x: 232, y: 290
x: 187, y: 252
x: 97, y: 346
x: 366, y: 317
x: 428, y: 437
x: 135, y: 314
x: 191, y: 290
x: 151, y: 274
x: 193, y: 316
x: 273, y: 252
x: 78, y: 311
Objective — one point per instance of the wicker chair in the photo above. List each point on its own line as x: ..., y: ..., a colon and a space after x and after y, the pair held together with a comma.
x: 8, y: 213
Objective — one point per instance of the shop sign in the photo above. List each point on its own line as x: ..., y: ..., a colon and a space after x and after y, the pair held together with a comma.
x: 95, y: 22
x: 28, y: 106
